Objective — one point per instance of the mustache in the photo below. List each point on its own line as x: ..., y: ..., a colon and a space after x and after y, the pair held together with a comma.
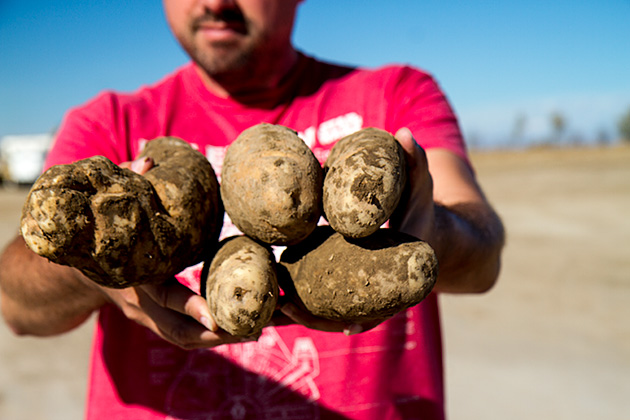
x: 229, y: 16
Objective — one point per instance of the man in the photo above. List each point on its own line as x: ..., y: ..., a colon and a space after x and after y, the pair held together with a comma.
x: 245, y: 71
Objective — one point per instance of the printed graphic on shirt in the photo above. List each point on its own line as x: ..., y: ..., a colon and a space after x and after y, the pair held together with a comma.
x: 332, y: 130
x: 272, y: 380
x: 263, y: 380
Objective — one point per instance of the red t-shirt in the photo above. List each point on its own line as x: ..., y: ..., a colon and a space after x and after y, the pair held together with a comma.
x: 391, y: 372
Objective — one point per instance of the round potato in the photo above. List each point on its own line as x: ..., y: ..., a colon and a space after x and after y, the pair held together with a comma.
x: 365, y: 176
x: 242, y: 286
x: 271, y: 185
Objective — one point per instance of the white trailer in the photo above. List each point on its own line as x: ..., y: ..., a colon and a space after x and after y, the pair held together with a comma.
x: 22, y: 157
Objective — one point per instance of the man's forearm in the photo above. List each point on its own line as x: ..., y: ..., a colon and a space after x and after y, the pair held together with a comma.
x: 42, y: 298
x: 468, y: 239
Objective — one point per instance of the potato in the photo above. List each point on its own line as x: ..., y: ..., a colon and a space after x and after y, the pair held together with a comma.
x: 365, y: 176
x: 122, y: 229
x: 359, y: 280
x: 242, y: 286
x: 271, y: 185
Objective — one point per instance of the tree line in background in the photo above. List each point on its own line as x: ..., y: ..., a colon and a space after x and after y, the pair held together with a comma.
x: 560, y: 134
x: 624, y: 126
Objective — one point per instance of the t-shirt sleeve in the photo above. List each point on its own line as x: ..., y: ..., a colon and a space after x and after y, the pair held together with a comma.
x: 89, y: 130
x: 419, y: 104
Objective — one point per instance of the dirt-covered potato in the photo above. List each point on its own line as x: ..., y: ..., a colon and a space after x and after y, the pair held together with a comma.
x: 122, y: 229
x: 359, y: 280
x: 365, y: 176
x: 242, y: 286
x: 271, y: 185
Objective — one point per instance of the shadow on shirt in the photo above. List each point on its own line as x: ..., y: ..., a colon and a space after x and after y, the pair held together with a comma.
x: 258, y: 380
x: 229, y: 382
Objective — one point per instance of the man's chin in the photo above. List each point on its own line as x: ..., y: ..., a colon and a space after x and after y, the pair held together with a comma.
x: 222, y: 63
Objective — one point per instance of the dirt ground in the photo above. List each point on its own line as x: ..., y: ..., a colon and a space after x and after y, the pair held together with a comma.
x: 550, y: 341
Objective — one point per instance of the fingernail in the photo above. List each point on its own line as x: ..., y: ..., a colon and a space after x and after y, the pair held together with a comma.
x: 353, y: 329
x: 206, y: 322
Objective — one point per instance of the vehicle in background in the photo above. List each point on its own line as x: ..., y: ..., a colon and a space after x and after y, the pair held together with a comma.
x: 22, y: 157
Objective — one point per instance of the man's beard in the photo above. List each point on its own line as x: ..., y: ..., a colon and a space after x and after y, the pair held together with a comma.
x: 223, y: 58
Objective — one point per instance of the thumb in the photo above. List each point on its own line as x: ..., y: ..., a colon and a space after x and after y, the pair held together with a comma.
x: 406, y: 140
x: 414, y: 154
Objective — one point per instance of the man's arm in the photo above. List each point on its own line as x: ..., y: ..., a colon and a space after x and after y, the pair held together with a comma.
x: 42, y: 298
x: 448, y: 210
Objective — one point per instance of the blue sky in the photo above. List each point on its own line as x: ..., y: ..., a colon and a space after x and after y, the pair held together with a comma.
x: 496, y: 61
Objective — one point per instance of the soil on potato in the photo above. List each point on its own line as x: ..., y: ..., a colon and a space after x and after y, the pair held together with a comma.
x: 359, y: 280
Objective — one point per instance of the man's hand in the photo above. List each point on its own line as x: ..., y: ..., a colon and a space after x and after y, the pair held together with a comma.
x: 173, y: 312
x: 170, y: 310
x: 291, y: 313
x: 416, y: 213
x: 445, y: 207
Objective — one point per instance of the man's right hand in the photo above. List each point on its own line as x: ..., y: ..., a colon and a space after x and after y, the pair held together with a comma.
x: 173, y: 312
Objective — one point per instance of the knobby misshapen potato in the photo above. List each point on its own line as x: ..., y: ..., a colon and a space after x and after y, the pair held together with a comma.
x: 359, y: 280
x: 242, y: 286
x: 365, y: 175
x: 271, y: 185
x: 123, y: 229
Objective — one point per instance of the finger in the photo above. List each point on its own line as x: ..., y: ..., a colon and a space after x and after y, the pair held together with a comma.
x: 367, y: 326
x: 280, y: 319
x: 294, y: 315
x: 362, y: 327
x: 139, y: 166
x: 181, y: 329
x: 413, y: 152
x: 310, y: 321
x: 405, y: 138
x: 353, y: 329
x: 179, y: 298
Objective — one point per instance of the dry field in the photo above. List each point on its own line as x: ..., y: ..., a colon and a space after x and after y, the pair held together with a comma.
x: 550, y: 341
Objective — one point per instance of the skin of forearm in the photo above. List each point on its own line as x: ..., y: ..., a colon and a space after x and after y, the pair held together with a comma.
x: 468, y: 239
x: 41, y: 298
